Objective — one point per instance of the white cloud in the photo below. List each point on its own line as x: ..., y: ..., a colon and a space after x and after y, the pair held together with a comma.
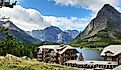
x: 68, y: 23
x: 26, y: 19
x: 31, y: 19
x: 93, y: 5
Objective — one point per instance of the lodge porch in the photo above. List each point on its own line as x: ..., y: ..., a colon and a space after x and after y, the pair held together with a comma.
x: 92, y: 64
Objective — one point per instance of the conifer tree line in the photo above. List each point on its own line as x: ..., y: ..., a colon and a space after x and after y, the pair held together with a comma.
x: 11, y: 45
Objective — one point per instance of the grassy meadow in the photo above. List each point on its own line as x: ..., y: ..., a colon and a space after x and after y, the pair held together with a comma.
x: 10, y: 62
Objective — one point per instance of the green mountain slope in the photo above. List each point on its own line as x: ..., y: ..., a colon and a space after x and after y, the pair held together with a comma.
x: 17, y: 33
x: 103, y: 30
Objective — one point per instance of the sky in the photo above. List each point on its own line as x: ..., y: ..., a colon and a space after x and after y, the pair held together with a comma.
x: 66, y: 14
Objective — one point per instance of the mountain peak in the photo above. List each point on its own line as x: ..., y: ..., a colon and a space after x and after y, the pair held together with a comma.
x: 108, y: 18
x: 103, y: 30
x: 108, y: 10
x: 53, y: 28
x: 107, y: 5
x: 17, y: 33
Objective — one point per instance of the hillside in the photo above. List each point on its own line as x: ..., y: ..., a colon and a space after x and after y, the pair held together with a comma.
x: 17, y: 33
x: 10, y: 62
x: 103, y: 30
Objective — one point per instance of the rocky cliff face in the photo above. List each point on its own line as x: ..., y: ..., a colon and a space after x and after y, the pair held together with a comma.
x: 54, y: 34
x: 107, y: 18
x: 72, y: 33
x: 103, y: 30
x: 17, y: 32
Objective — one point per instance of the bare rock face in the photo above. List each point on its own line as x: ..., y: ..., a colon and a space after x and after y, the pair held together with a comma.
x: 17, y: 33
x: 54, y: 34
x: 107, y: 23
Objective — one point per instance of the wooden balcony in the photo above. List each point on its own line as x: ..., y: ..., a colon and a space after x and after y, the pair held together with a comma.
x: 39, y: 55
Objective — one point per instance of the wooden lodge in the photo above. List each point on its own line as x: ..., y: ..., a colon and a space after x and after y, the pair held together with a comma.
x: 67, y: 55
x: 57, y: 53
x: 112, y: 59
x: 112, y: 53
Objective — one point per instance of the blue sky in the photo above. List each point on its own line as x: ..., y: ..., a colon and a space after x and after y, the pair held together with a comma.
x: 66, y: 14
x: 49, y: 8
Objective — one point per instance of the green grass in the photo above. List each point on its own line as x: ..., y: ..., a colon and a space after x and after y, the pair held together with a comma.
x: 10, y: 63
x: 100, y: 40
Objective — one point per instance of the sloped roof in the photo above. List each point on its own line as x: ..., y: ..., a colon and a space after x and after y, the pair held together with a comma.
x: 49, y: 46
x: 115, y: 49
x: 67, y: 47
x: 55, y: 47
x: 117, y: 68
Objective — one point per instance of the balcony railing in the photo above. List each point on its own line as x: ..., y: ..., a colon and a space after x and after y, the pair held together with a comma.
x: 39, y: 52
x: 39, y: 55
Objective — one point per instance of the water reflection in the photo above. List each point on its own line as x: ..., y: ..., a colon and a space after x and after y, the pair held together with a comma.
x: 90, y: 54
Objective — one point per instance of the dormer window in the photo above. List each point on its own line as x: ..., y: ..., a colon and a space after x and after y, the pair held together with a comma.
x: 108, y: 53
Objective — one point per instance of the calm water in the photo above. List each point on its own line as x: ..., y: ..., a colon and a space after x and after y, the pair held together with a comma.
x: 90, y: 54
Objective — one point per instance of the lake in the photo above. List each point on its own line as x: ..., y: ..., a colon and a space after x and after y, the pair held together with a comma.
x: 90, y: 54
